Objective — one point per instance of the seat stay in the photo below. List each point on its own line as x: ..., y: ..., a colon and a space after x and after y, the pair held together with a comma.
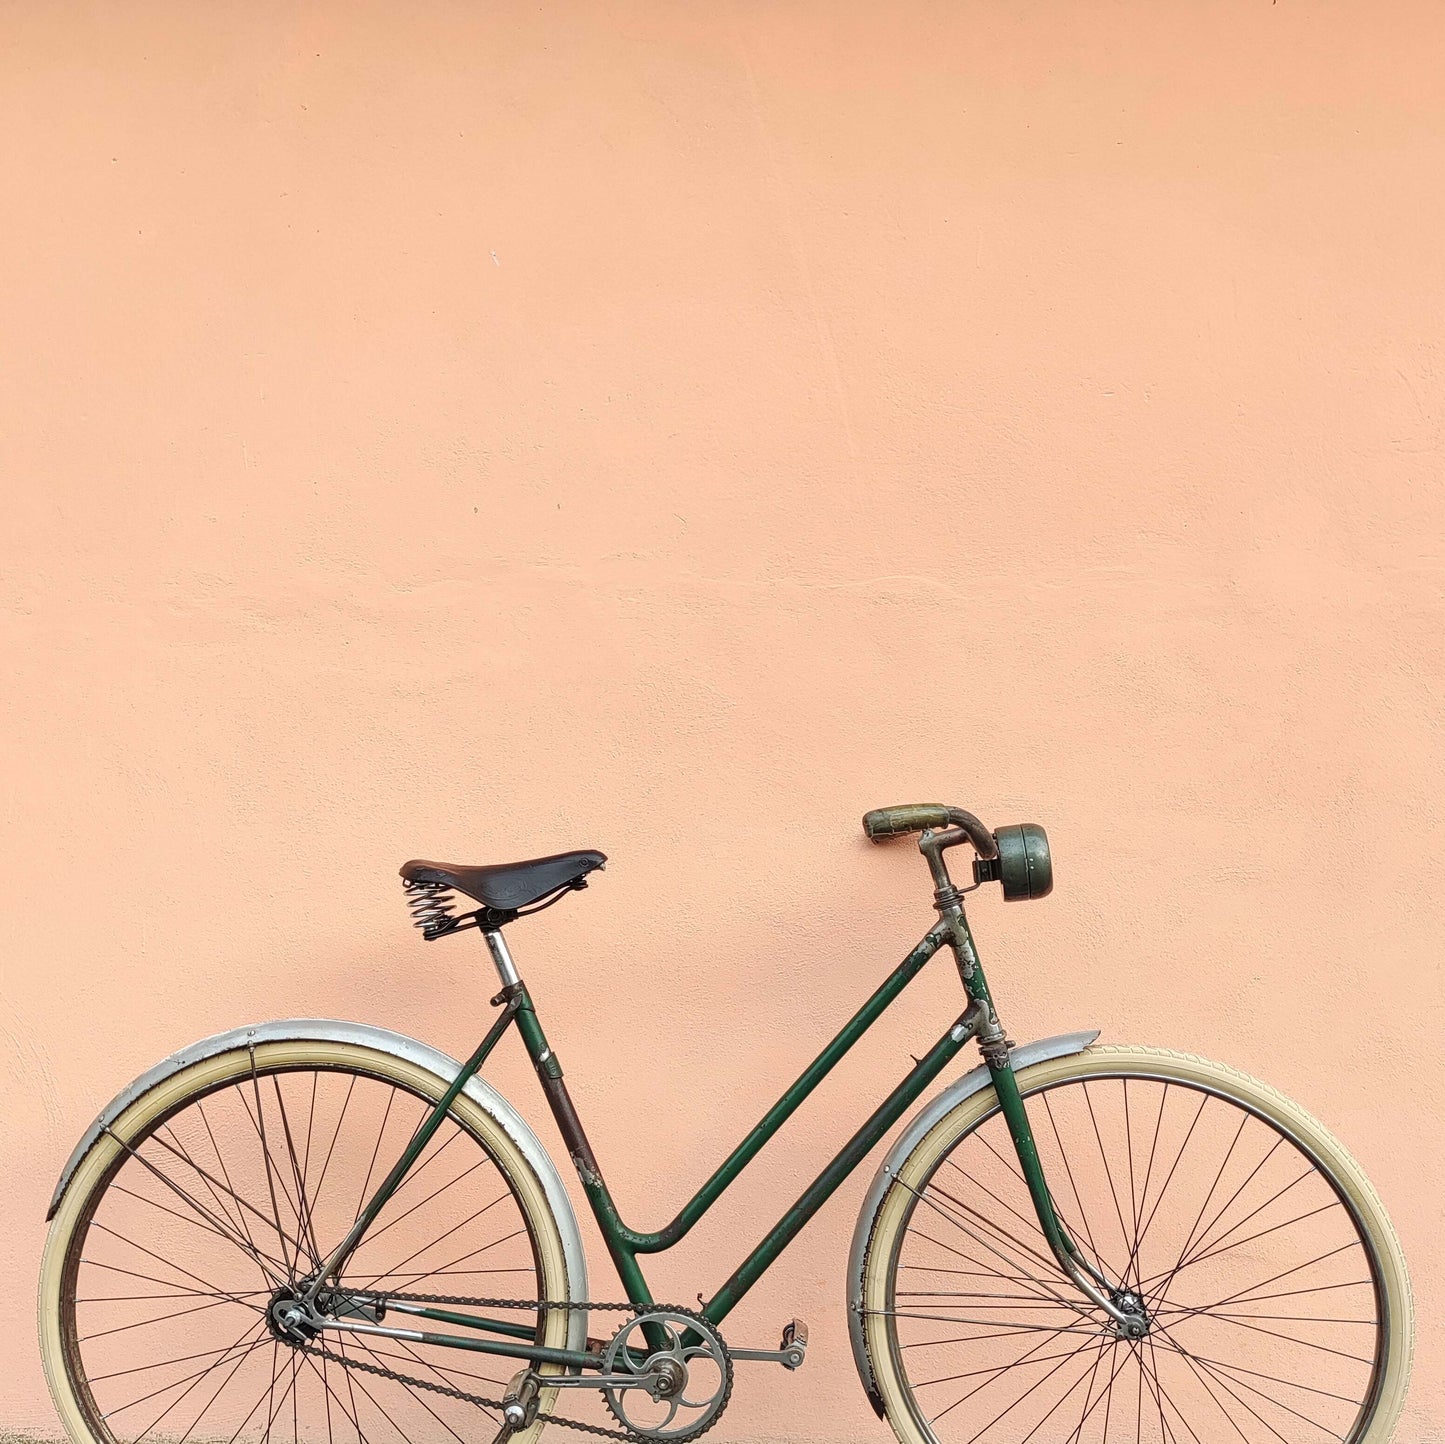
x: 336, y: 1260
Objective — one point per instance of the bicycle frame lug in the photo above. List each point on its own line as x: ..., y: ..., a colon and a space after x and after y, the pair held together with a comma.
x: 961, y: 940
x: 992, y: 1042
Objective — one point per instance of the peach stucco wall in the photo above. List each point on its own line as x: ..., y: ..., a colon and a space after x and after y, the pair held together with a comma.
x: 474, y: 430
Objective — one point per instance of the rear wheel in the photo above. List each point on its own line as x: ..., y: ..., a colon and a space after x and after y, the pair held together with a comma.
x: 1271, y: 1282
x: 215, y: 1195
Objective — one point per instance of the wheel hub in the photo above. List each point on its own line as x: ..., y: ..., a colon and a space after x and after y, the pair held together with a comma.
x: 1136, y: 1322
x: 288, y: 1318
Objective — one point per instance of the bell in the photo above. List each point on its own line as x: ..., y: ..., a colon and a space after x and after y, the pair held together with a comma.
x: 1023, y: 864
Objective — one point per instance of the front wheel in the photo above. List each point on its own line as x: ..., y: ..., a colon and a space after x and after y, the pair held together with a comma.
x: 1271, y: 1283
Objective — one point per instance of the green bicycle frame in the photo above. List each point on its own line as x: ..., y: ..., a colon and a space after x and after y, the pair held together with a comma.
x: 625, y: 1244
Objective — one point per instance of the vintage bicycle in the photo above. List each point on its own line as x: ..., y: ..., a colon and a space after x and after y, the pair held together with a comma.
x: 325, y: 1231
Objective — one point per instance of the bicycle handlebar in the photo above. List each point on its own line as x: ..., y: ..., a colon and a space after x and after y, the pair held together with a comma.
x: 885, y: 822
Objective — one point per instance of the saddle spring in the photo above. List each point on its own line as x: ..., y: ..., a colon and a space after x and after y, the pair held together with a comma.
x: 431, y: 905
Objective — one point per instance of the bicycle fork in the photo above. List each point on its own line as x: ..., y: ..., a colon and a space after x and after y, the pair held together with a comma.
x: 994, y: 1047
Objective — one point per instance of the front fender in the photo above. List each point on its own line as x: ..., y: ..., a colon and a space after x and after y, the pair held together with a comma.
x: 398, y: 1045
x: 972, y: 1082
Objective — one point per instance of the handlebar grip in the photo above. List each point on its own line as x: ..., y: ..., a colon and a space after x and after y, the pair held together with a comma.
x: 895, y: 821
x: 915, y: 817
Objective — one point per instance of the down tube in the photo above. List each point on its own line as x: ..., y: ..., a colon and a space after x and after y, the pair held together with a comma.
x: 852, y: 1154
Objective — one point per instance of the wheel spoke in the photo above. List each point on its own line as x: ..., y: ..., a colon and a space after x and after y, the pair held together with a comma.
x: 196, y: 1220
x: 1200, y: 1252
x: 237, y: 1343
x: 363, y: 1195
x: 1043, y: 1288
x: 372, y: 1236
x: 432, y: 1243
x: 279, y: 1404
x: 420, y: 1398
x: 1104, y: 1159
x: 1293, y: 1339
x: 1013, y: 1328
x: 161, y: 1319
x: 240, y: 1201
x: 1089, y: 1408
x: 220, y: 1388
x: 224, y: 1230
x: 1240, y: 1243
x: 324, y: 1375
x: 1032, y: 1290
x: 303, y: 1211
x: 239, y: 1218
x: 1001, y: 1234
x: 1189, y: 1237
x: 1003, y: 1413
x: 1298, y: 1268
x: 446, y: 1372
x: 1131, y: 1264
x: 1169, y: 1177
x: 335, y: 1134
x: 260, y: 1123
x: 1073, y: 1185
x: 994, y: 1373
x: 376, y: 1404
x: 210, y: 1288
x: 1161, y: 1394
x: 1206, y: 1381
x: 1219, y: 1372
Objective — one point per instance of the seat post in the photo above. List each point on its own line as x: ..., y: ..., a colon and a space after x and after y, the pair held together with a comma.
x: 501, y: 956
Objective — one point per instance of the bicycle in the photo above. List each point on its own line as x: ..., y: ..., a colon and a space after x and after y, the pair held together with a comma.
x: 328, y: 1230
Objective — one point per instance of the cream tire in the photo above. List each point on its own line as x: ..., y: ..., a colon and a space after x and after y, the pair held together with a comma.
x: 891, y: 1216
x: 71, y: 1393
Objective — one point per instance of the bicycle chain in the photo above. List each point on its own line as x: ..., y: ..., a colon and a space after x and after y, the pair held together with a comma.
x: 630, y: 1436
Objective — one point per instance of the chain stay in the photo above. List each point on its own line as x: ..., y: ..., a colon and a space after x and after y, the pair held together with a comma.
x: 480, y: 1400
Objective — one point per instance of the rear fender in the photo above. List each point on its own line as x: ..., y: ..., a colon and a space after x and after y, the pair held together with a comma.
x: 442, y: 1067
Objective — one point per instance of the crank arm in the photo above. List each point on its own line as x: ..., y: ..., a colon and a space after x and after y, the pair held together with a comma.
x: 790, y: 1354
x: 597, y: 1381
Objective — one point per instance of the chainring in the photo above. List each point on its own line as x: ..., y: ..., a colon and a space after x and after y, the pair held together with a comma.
x: 693, y: 1343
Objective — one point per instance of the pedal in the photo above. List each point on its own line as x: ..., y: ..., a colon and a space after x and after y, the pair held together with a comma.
x: 519, y: 1404
x: 790, y: 1353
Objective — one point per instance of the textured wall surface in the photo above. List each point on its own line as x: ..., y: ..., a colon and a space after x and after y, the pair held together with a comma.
x: 473, y: 431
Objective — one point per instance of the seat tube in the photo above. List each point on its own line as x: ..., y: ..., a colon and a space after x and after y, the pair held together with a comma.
x: 579, y: 1148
